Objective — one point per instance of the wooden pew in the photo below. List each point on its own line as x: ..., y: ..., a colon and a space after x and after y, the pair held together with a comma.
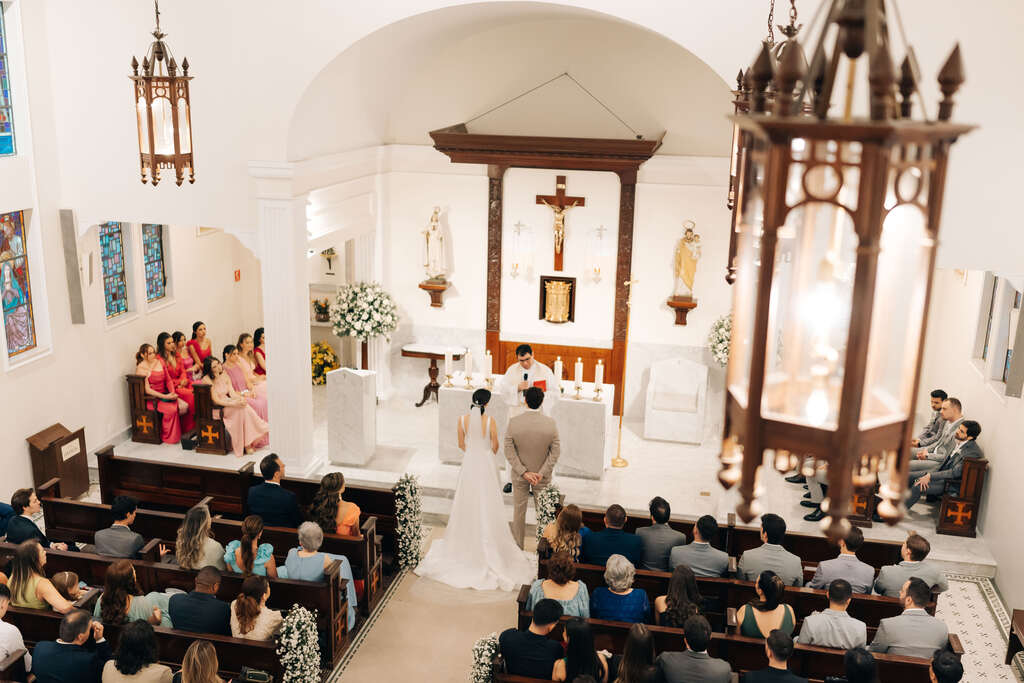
x: 327, y: 597
x: 145, y: 422
x: 211, y: 435
x: 1015, y: 643
x: 12, y: 667
x: 961, y: 500
x: 71, y: 520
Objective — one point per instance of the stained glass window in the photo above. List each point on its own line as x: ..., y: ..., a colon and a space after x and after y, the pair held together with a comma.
x: 6, y: 116
x: 14, y: 285
x: 153, y: 254
x: 115, y: 291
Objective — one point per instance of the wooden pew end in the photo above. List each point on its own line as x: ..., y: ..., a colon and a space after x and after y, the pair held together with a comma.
x: 730, y: 620
x: 733, y: 564
x: 12, y: 667
x: 955, y: 645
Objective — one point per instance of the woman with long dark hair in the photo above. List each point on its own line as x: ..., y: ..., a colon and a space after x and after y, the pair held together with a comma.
x: 195, y: 547
x: 185, y: 357
x: 177, y: 379
x: 248, y: 431
x: 760, y: 617
x: 241, y: 377
x: 581, y: 657
x: 159, y: 396
x: 122, y: 602
x: 334, y: 514
x: 250, y: 616
x: 29, y: 585
x: 199, y: 346
x: 136, y: 657
x: 249, y: 556
x: 682, y: 601
x: 259, y: 352
x: 636, y: 665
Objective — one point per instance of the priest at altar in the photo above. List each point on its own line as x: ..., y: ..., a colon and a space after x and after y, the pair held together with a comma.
x: 528, y: 372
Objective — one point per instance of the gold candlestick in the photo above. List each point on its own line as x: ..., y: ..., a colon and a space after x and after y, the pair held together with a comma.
x: 579, y: 390
x: 597, y: 393
x: 618, y: 460
x: 448, y: 381
x: 489, y: 381
x: 469, y: 381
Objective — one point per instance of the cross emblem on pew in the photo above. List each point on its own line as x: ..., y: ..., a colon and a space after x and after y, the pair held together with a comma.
x: 959, y: 515
x: 210, y: 434
x: 144, y: 424
x: 860, y: 505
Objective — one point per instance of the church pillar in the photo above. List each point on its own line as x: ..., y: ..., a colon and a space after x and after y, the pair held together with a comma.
x: 378, y: 350
x: 282, y: 238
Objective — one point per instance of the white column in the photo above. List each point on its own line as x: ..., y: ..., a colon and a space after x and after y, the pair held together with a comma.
x: 281, y: 226
x: 378, y: 351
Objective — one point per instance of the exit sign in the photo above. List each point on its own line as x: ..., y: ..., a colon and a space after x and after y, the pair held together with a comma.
x: 238, y: 276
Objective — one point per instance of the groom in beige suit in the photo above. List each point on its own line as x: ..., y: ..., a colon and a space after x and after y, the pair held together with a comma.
x: 531, y: 448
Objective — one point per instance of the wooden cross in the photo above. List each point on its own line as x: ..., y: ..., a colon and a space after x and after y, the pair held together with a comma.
x: 560, y: 203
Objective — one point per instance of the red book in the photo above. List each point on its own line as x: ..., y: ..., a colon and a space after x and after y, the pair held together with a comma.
x: 541, y: 384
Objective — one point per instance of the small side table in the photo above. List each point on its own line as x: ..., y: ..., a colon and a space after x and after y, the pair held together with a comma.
x: 434, y: 352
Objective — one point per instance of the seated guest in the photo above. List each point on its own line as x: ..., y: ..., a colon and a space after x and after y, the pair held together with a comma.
x: 6, y: 514
x: 915, y: 633
x: 914, y: 551
x: 249, y: 556
x: 694, y: 664
x: 243, y: 381
x: 700, y: 556
x: 307, y: 563
x: 561, y: 587
x: 277, y: 506
x: 933, y: 429
x: 330, y: 511
x: 259, y: 355
x: 636, y: 663
x: 68, y: 659
x: 248, y: 431
x: 565, y: 534
x: 250, y: 616
x: 531, y: 653
x: 618, y: 600
x: 612, y: 540
x: 934, y: 451
x: 200, y: 611
x: 119, y: 540
x: 766, y: 614
x: 123, y: 603
x: 946, y: 667
x: 659, y: 538
x: 67, y: 585
x: 778, y: 646
x: 846, y: 566
x: 860, y: 667
x: 195, y: 547
x: 952, y: 466
x: 581, y: 657
x: 835, y: 627
x: 682, y: 601
x: 246, y: 353
x: 200, y: 346
x: 10, y: 637
x: 29, y: 586
x: 771, y: 555
x: 185, y: 357
x: 136, y: 660
x: 21, y: 528
x: 178, y: 380
x: 160, y: 396
x: 199, y: 665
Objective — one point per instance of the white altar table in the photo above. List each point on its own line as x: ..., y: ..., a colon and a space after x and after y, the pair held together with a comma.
x: 582, y: 424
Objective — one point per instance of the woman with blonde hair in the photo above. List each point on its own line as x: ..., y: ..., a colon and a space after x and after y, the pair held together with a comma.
x: 196, y: 547
x: 249, y: 556
x: 250, y: 616
x: 199, y: 665
x: 330, y: 511
x: 565, y: 534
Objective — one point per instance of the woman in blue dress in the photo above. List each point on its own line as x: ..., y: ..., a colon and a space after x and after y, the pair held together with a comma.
x: 249, y: 556
x: 307, y: 563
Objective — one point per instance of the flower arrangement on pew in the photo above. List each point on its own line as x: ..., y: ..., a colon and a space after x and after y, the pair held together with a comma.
x: 409, y: 520
x: 484, y: 651
x: 364, y: 310
x: 298, y: 646
x: 719, y: 339
x: 547, y: 506
x: 323, y: 360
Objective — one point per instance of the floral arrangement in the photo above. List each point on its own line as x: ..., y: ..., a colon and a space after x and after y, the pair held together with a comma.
x: 484, y: 651
x: 298, y: 646
x: 409, y: 520
x: 719, y: 338
x: 547, y: 502
x: 323, y: 361
x: 322, y: 309
x: 364, y: 310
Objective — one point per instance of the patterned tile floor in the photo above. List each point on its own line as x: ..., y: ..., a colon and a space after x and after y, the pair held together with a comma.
x: 974, y: 611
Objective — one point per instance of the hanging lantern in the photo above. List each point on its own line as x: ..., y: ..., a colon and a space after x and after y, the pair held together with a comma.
x: 163, y: 110
x: 836, y: 234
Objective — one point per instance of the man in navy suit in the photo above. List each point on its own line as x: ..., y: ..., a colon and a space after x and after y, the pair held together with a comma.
x: 68, y: 660
x: 612, y: 540
x: 275, y: 505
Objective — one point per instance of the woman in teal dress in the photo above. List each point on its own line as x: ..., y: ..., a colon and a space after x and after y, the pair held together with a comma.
x: 760, y: 617
x: 562, y: 587
x: 121, y: 602
x: 307, y: 563
x: 249, y: 556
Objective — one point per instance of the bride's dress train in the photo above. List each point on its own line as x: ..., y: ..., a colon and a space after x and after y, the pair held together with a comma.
x: 478, y: 550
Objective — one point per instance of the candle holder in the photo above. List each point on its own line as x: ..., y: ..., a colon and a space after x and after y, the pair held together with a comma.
x: 579, y: 390
x: 448, y: 380
x: 489, y: 381
x: 597, y: 393
x: 469, y: 381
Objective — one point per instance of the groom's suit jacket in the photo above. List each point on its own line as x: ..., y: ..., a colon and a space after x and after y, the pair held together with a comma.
x: 531, y: 444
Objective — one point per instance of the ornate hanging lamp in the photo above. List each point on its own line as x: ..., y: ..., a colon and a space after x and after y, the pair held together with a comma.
x: 837, y: 226
x: 163, y: 110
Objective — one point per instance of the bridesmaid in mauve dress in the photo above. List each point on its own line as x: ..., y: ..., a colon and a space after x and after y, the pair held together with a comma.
x: 199, y: 346
x: 247, y: 358
x: 248, y: 431
x: 185, y: 358
x: 259, y: 339
x: 236, y: 369
x: 177, y: 378
x: 163, y: 401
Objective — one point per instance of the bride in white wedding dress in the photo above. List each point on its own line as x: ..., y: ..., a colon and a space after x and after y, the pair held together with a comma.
x: 478, y: 550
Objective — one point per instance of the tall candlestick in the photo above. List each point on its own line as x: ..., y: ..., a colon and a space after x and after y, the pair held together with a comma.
x: 599, y: 374
x: 578, y: 373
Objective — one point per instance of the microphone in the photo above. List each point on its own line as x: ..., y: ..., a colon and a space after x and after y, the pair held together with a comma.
x: 526, y: 376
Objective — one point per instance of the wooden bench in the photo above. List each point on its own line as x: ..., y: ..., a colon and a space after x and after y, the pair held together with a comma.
x: 1015, y: 642
x: 71, y: 520
x: 12, y: 667
x: 145, y: 422
x: 961, y: 500
x: 211, y: 435
x: 327, y: 597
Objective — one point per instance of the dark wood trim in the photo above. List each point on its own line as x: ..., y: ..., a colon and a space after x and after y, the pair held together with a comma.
x: 436, y: 291
x: 495, y: 198
x: 681, y: 305
x: 623, y: 274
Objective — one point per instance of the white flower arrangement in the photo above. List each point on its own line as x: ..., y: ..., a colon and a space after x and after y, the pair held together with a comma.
x: 547, y: 501
x: 364, y: 310
x: 484, y: 651
x: 409, y: 520
x: 298, y: 646
x: 719, y: 339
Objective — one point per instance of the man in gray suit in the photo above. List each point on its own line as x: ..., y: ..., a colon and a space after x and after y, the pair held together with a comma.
x: 771, y: 555
x: 860, y: 574
x: 933, y: 451
x: 932, y: 430
x: 119, y: 540
x: 659, y: 538
x: 694, y: 664
x: 700, y: 556
x: 934, y: 483
x: 914, y: 551
x: 835, y: 627
x: 915, y: 633
x: 532, y: 449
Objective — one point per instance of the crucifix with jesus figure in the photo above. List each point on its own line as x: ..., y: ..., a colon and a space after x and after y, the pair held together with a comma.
x: 560, y: 203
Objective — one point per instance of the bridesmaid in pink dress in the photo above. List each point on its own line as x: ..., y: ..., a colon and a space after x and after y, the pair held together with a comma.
x: 163, y: 401
x: 199, y: 346
x: 178, y: 378
x: 259, y: 339
x: 248, y: 431
x: 247, y: 358
x: 238, y: 371
x: 185, y: 358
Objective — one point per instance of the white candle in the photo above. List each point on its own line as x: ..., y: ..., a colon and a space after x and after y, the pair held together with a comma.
x: 447, y: 362
x: 469, y: 363
x: 599, y: 374
x: 488, y: 364
x: 578, y: 372
x: 558, y: 369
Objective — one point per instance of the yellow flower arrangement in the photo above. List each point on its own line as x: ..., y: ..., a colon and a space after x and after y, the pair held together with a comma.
x: 323, y: 361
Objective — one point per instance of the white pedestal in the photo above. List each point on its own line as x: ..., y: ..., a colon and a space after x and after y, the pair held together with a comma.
x: 351, y: 416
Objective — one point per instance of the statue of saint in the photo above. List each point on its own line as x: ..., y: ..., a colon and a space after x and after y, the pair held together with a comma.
x: 687, y: 255
x: 559, y: 225
x: 434, y: 248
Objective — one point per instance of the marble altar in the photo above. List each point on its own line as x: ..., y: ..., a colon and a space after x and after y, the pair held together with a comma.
x: 352, y: 416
